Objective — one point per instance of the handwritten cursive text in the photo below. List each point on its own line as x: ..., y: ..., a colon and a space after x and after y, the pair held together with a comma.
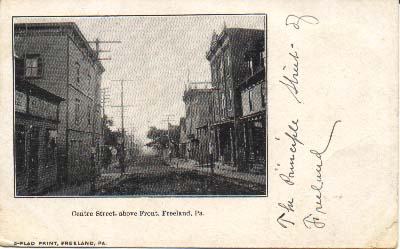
x: 314, y: 218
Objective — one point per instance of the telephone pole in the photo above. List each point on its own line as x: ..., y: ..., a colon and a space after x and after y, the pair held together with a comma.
x: 105, y: 98
x: 168, y: 133
x: 97, y: 51
x: 168, y: 123
x: 122, y: 106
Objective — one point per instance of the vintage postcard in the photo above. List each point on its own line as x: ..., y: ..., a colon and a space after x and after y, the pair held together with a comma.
x: 199, y: 124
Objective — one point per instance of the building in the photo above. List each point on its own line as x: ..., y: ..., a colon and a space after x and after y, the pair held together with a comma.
x: 198, y: 111
x: 230, y: 66
x: 36, y: 124
x: 58, y: 58
x: 252, y: 123
x: 182, y: 138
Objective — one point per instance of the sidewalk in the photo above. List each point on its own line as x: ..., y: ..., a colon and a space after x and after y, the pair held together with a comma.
x: 84, y: 188
x: 221, y: 170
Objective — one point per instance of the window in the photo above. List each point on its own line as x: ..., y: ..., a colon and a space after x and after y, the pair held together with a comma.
x: 226, y: 63
x: 250, y: 100
x: 78, y: 72
x: 250, y: 64
x: 223, y: 104
x: 214, y: 108
x: 221, y: 69
x: 255, y: 62
x: 77, y: 107
x: 33, y: 66
x: 230, y: 99
x: 89, y: 115
x: 214, y: 77
x: 262, y: 95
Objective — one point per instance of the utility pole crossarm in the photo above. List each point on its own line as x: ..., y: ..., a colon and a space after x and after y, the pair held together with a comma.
x: 97, y: 43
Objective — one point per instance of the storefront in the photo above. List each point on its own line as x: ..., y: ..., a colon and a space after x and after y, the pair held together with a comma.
x: 253, y: 139
x: 224, y: 140
x: 35, y: 134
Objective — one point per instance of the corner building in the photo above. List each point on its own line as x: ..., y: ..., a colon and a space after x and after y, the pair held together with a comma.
x: 230, y: 66
x: 36, y: 123
x: 58, y: 58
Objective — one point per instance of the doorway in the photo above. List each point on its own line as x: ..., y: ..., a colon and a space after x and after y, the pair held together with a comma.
x: 33, y: 159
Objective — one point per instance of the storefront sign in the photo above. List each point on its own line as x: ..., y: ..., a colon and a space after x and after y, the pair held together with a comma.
x: 42, y: 108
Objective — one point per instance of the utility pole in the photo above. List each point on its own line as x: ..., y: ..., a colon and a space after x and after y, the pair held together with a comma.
x: 97, y: 43
x: 122, y: 106
x: 105, y: 97
x: 97, y: 51
x: 168, y: 123
x: 131, y: 142
x: 168, y: 133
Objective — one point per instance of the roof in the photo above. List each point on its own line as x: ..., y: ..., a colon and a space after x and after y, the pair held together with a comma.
x: 239, y: 33
x: 190, y: 93
x: 253, y: 79
x: 25, y: 86
x: 59, y: 27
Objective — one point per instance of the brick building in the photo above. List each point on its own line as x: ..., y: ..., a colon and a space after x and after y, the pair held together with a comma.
x: 198, y: 116
x: 229, y: 61
x: 58, y: 58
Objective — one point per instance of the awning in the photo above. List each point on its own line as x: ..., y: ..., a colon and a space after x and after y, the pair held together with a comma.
x: 224, y: 122
x: 254, y: 117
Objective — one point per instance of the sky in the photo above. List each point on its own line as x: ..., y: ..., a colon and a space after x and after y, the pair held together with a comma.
x: 158, y: 54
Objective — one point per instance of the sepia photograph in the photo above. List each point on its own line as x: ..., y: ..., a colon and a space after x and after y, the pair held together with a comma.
x: 199, y: 124
x: 133, y: 106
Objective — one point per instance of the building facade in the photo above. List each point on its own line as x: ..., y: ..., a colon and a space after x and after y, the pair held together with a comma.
x: 58, y: 58
x: 182, y: 138
x: 198, y: 116
x: 230, y: 66
x: 252, y: 123
x: 36, y: 127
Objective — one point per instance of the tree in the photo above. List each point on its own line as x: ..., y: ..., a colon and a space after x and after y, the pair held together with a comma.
x: 159, y: 138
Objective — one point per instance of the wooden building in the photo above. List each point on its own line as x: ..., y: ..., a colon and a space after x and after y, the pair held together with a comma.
x: 35, y: 138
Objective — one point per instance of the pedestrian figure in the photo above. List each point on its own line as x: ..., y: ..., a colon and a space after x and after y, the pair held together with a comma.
x: 187, y: 154
x: 121, y: 164
x: 170, y: 155
x: 121, y: 159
